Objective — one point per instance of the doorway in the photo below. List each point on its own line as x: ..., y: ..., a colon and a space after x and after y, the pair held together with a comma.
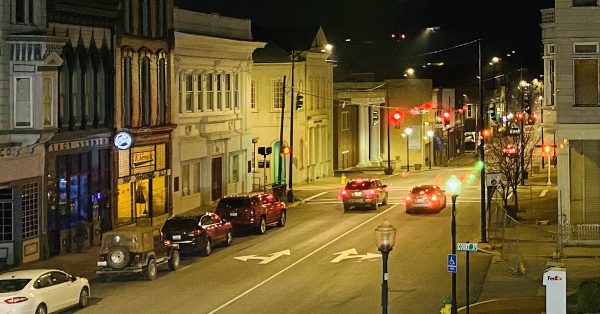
x: 217, y: 179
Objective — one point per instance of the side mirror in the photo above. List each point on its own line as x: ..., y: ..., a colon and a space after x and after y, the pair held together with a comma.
x: 73, y: 278
x: 384, y: 186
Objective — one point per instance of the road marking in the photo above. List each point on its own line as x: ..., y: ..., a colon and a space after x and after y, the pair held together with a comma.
x: 264, y: 259
x: 314, y: 196
x: 543, y: 194
x: 298, y: 262
x: 352, y: 253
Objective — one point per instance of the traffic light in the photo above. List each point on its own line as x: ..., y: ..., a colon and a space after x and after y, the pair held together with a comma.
x: 299, y: 101
x: 547, y: 150
x: 519, y: 116
x: 286, y: 150
x: 446, y: 118
x: 531, y: 119
x: 527, y: 104
x: 375, y: 116
x: 493, y: 115
x: 396, y: 117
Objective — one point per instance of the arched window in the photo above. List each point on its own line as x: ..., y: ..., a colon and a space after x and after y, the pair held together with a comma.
x: 100, y: 94
x: 162, y: 89
x: 145, y: 90
x: 126, y: 88
x: 76, y: 83
x: 64, y: 86
x: 90, y: 93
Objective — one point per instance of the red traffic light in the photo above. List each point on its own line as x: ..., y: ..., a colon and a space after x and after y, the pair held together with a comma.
x: 396, y: 116
x: 520, y: 116
x: 446, y: 115
x: 286, y: 150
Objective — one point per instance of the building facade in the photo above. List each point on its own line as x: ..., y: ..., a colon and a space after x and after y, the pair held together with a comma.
x: 212, y: 145
x: 309, y: 82
x: 571, y: 110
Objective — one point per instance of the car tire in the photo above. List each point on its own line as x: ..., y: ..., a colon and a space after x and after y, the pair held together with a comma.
x: 174, y: 261
x: 84, y: 297
x: 375, y: 205
x: 262, y: 225
x: 282, y: 219
x: 229, y: 239
x: 118, y: 257
x: 207, y: 248
x: 150, y: 270
x: 385, y: 200
x: 346, y: 207
x: 41, y: 309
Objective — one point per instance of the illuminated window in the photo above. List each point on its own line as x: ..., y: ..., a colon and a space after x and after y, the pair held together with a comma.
x: 277, y: 94
x: 47, y: 99
x: 227, y: 91
x: 253, y: 95
x: 23, y: 103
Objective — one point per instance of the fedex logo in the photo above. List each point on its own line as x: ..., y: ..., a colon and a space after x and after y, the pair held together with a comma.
x: 554, y: 278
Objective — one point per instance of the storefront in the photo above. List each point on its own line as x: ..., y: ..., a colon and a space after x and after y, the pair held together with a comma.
x: 78, y: 185
x: 142, y: 185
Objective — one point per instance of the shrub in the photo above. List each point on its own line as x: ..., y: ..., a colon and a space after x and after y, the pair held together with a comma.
x: 588, y: 297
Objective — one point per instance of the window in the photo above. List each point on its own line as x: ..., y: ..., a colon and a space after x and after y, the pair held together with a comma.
x: 235, y: 168
x: 188, y: 92
x: 236, y: 91
x: 210, y: 81
x: 228, y: 91
x: 59, y: 277
x: 219, y: 78
x: 23, y: 105
x: 30, y: 209
x: 22, y: 12
x: 470, y: 111
x: 90, y: 95
x: 586, y: 82
x: 145, y: 17
x: 277, y: 94
x: 190, y: 178
x: 6, y: 214
x: 100, y: 100
x: 551, y: 95
x: 585, y: 48
x: 162, y: 88
x: 145, y: 90
x: 47, y: 99
x: 253, y: 95
x: 200, y: 92
x: 127, y: 91
x: 584, y: 3
x: 161, y: 18
x: 345, y: 122
x: 127, y: 16
x: 76, y: 105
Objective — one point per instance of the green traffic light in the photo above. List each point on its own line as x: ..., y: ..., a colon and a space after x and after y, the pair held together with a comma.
x: 453, y: 185
x: 479, y: 165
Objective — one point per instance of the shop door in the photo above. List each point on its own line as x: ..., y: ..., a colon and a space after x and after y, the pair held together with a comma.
x: 217, y: 178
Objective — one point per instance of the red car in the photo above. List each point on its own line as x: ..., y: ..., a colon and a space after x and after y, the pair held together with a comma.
x: 198, y: 233
x: 425, y: 198
x: 255, y: 210
x: 364, y: 192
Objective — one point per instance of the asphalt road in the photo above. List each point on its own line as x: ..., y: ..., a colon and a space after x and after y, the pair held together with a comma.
x: 308, y: 274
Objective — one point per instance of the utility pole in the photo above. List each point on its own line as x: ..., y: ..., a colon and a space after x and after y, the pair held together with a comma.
x: 482, y: 150
x: 290, y: 193
x: 280, y: 158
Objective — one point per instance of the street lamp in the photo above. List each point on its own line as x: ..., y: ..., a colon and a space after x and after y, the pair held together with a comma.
x: 453, y: 186
x: 408, y: 132
x: 385, y: 236
x: 430, y: 134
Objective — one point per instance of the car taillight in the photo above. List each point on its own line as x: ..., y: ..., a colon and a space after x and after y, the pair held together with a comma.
x: 372, y: 192
x: 15, y: 300
x: 408, y: 198
x: 434, y: 197
x: 344, y: 193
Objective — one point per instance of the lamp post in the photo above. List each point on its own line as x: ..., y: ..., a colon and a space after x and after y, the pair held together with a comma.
x: 453, y: 186
x: 408, y: 132
x: 524, y: 86
x: 430, y: 134
x: 385, y: 237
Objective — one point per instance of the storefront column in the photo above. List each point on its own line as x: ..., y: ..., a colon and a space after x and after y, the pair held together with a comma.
x: 375, y: 140
x: 363, y: 136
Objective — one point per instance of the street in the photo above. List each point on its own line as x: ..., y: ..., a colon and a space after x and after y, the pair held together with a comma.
x: 322, y: 261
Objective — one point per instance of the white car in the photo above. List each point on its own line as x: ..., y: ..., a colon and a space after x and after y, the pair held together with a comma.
x: 41, y: 291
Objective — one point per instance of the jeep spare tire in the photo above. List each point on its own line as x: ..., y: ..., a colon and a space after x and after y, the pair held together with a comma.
x: 118, y: 257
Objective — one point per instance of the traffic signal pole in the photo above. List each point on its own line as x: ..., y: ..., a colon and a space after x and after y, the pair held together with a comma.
x: 290, y: 193
x: 482, y: 150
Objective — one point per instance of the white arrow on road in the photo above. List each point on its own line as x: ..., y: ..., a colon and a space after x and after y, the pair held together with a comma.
x: 264, y: 259
x: 352, y: 253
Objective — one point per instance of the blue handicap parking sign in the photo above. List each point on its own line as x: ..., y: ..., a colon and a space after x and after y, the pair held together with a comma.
x: 451, y: 263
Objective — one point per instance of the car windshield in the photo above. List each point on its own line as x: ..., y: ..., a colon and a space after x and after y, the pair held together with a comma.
x: 233, y: 203
x: 128, y: 240
x: 180, y: 223
x: 13, y: 285
x: 358, y: 185
x: 426, y: 189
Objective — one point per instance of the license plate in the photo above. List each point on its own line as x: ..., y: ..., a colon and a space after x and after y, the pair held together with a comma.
x: 176, y: 237
x: 233, y: 214
x: 357, y: 194
x: 356, y: 201
x: 102, y: 263
x: 419, y: 201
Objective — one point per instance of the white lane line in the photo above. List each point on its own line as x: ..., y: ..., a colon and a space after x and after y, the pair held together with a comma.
x: 314, y: 196
x: 543, y: 194
x: 297, y: 262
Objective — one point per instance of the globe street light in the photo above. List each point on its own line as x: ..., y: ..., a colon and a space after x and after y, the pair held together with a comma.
x: 385, y: 236
x: 408, y: 132
x: 453, y: 186
x: 430, y: 134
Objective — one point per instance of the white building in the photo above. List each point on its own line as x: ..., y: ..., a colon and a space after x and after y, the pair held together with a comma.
x: 312, y: 81
x: 571, y: 37
x: 211, y: 75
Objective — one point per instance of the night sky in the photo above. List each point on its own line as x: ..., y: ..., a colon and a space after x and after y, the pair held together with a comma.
x: 503, y: 26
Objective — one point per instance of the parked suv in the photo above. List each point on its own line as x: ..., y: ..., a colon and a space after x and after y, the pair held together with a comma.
x: 198, y: 233
x: 254, y: 210
x: 364, y: 192
x: 135, y: 250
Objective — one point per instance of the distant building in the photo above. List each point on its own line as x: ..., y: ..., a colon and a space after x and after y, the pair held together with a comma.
x: 571, y: 111
x: 212, y: 144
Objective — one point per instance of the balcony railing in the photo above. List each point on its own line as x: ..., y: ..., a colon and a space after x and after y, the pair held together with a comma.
x: 547, y: 15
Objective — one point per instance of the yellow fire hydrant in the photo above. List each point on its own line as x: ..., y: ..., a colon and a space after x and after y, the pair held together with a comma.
x: 343, y: 179
x: 447, y: 306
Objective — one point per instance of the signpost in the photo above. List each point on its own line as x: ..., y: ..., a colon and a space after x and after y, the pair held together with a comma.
x: 452, y: 263
x: 467, y: 247
x: 264, y: 151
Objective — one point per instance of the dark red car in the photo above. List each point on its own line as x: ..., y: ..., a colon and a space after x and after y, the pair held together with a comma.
x: 364, y: 192
x: 255, y: 210
x: 199, y: 233
x: 425, y: 198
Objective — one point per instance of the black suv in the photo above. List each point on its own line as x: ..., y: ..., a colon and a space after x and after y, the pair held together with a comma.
x: 135, y: 250
x: 364, y: 192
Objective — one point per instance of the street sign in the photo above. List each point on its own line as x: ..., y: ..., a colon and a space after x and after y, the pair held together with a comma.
x: 451, y: 263
x: 492, y: 179
x: 471, y: 247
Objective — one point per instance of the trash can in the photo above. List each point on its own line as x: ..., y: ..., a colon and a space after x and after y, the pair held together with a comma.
x: 279, y: 190
x: 418, y: 166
